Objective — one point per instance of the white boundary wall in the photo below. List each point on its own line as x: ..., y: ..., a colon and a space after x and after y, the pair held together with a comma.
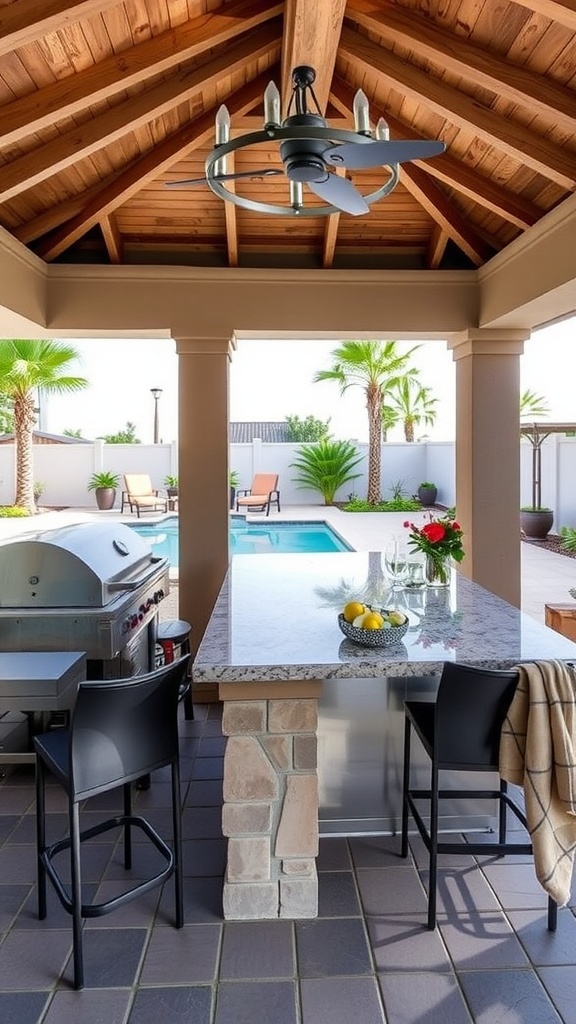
x: 66, y: 469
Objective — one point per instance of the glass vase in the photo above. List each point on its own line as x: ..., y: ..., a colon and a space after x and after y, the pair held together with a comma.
x: 437, y: 571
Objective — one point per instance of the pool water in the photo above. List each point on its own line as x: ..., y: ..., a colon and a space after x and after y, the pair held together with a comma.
x: 249, y: 538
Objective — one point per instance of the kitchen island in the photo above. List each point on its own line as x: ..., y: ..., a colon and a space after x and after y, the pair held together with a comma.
x: 275, y: 650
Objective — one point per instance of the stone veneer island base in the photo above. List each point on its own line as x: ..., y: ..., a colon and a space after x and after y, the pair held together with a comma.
x: 270, y: 681
x: 270, y: 812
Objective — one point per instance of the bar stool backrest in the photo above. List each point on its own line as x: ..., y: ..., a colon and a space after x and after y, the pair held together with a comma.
x: 470, y: 709
x: 125, y: 728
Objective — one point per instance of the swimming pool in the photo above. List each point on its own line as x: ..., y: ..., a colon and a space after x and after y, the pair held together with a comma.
x: 249, y: 538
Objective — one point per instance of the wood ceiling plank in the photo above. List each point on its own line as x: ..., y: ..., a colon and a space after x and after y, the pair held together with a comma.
x: 476, y: 64
x: 81, y: 141
x: 562, y: 11
x: 454, y: 172
x: 231, y: 219
x: 149, y: 167
x: 311, y: 36
x: 120, y: 71
x: 23, y: 22
x: 521, y: 143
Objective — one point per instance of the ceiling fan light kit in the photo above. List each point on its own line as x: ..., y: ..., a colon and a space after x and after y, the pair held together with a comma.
x: 311, y: 151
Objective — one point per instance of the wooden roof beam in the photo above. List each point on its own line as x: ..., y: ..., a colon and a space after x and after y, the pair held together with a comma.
x: 561, y: 11
x: 112, y: 239
x: 433, y: 201
x: 122, y: 187
x: 455, y: 173
x: 23, y: 22
x: 311, y: 36
x: 522, y: 144
x: 120, y: 71
x: 65, y: 150
x: 474, y: 63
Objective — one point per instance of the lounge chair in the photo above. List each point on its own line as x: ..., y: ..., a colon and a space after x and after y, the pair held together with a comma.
x: 139, y: 494
x: 263, y: 493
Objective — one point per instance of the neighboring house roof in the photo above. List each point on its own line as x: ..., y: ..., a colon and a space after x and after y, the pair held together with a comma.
x: 41, y: 437
x: 270, y: 432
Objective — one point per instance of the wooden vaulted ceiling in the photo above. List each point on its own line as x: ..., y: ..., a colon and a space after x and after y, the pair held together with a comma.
x: 104, y: 102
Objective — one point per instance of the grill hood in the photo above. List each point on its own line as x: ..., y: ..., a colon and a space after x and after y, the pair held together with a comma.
x: 85, y: 565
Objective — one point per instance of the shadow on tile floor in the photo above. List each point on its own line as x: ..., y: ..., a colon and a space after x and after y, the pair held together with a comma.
x: 367, y: 958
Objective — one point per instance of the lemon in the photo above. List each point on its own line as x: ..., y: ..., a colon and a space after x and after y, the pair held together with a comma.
x: 372, y: 620
x: 396, y: 618
x: 352, y: 610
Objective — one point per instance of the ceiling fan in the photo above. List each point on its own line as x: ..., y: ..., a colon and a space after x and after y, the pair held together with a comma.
x: 311, y: 152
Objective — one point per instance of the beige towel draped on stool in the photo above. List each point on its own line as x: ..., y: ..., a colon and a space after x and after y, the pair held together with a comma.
x: 538, y: 752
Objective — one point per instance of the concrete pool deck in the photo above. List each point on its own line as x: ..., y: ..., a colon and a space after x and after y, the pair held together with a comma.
x: 546, y: 577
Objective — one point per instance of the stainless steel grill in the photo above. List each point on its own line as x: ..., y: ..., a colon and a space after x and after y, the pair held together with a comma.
x: 94, y: 587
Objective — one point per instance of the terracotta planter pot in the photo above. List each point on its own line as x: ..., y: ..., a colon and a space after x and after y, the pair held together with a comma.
x: 536, y: 523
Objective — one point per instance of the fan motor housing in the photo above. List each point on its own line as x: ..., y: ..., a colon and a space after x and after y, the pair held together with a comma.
x: 303, y: 158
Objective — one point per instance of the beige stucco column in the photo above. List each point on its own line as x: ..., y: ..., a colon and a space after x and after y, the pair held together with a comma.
x: 203, y: 416
x: 488, y: 455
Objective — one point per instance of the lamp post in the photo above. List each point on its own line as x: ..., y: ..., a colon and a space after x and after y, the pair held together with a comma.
x: 156, y: 392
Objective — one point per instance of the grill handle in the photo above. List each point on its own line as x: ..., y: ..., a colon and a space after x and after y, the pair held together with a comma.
x: 134, y: 584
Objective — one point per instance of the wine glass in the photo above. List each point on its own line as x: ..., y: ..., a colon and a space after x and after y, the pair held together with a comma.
x: 396, y: 562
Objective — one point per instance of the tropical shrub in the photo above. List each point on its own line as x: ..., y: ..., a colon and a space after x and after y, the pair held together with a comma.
x: 325, y: 466
x: 393, y: 505
x: 103, y: 479
x: 13, y: 512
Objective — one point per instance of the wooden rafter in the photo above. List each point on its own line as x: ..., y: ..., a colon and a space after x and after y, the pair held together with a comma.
x: 112, y: 239
x: 69, y: 96
x: 122, y: 187
x: 523, y: 144
x: 27, y: 20
x: 311, y: 36
x: 437, y: 247
x: 431, y: 198
x: 474, y: 63
x: 562, y: 11
x: 454, y: 173
x: 112, y: 125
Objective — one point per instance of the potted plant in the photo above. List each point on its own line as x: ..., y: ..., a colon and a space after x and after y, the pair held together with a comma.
x: 104, y: 485
x: 171, y: 485
x: 427, y: 493
x: 536, y: 522
x: 233, y: 481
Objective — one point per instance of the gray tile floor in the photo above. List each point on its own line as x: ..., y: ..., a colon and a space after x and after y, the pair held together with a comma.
x: 367, y: 958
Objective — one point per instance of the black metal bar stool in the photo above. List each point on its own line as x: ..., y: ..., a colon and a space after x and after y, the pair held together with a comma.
x: 174, y: 639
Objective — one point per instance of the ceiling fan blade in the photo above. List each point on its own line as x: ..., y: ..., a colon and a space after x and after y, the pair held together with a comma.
x: 266, y: 173
x: 355, y: 155
x: 340, y: 192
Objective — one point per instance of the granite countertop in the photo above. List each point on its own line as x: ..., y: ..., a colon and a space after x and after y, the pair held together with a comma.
x: 276, y: 618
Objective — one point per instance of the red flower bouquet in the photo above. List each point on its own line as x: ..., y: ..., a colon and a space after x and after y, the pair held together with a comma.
x: 440, y: 540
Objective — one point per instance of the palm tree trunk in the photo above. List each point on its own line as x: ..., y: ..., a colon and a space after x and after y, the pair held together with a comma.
x: 374, y: 407
x: 24, y: 420
x: 409, y: 429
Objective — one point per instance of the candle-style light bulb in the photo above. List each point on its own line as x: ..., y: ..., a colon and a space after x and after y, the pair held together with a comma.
x: 271, y: 106
x: 222, y: 136
x: 296, y: 195
x: 222, y: 125
x: 361, y: 113
x: 382, y: 131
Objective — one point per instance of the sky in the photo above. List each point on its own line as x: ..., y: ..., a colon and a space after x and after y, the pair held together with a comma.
x: 272, y: 380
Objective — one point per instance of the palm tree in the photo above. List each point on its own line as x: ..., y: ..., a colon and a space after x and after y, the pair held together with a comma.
x: 375, y: 366
x: 26, y: 365
x: 532, y: 405
x: 413, y: 404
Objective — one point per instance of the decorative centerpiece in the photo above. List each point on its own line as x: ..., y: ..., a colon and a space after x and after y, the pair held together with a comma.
x: 372, y: 627
x: 440, y: 539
